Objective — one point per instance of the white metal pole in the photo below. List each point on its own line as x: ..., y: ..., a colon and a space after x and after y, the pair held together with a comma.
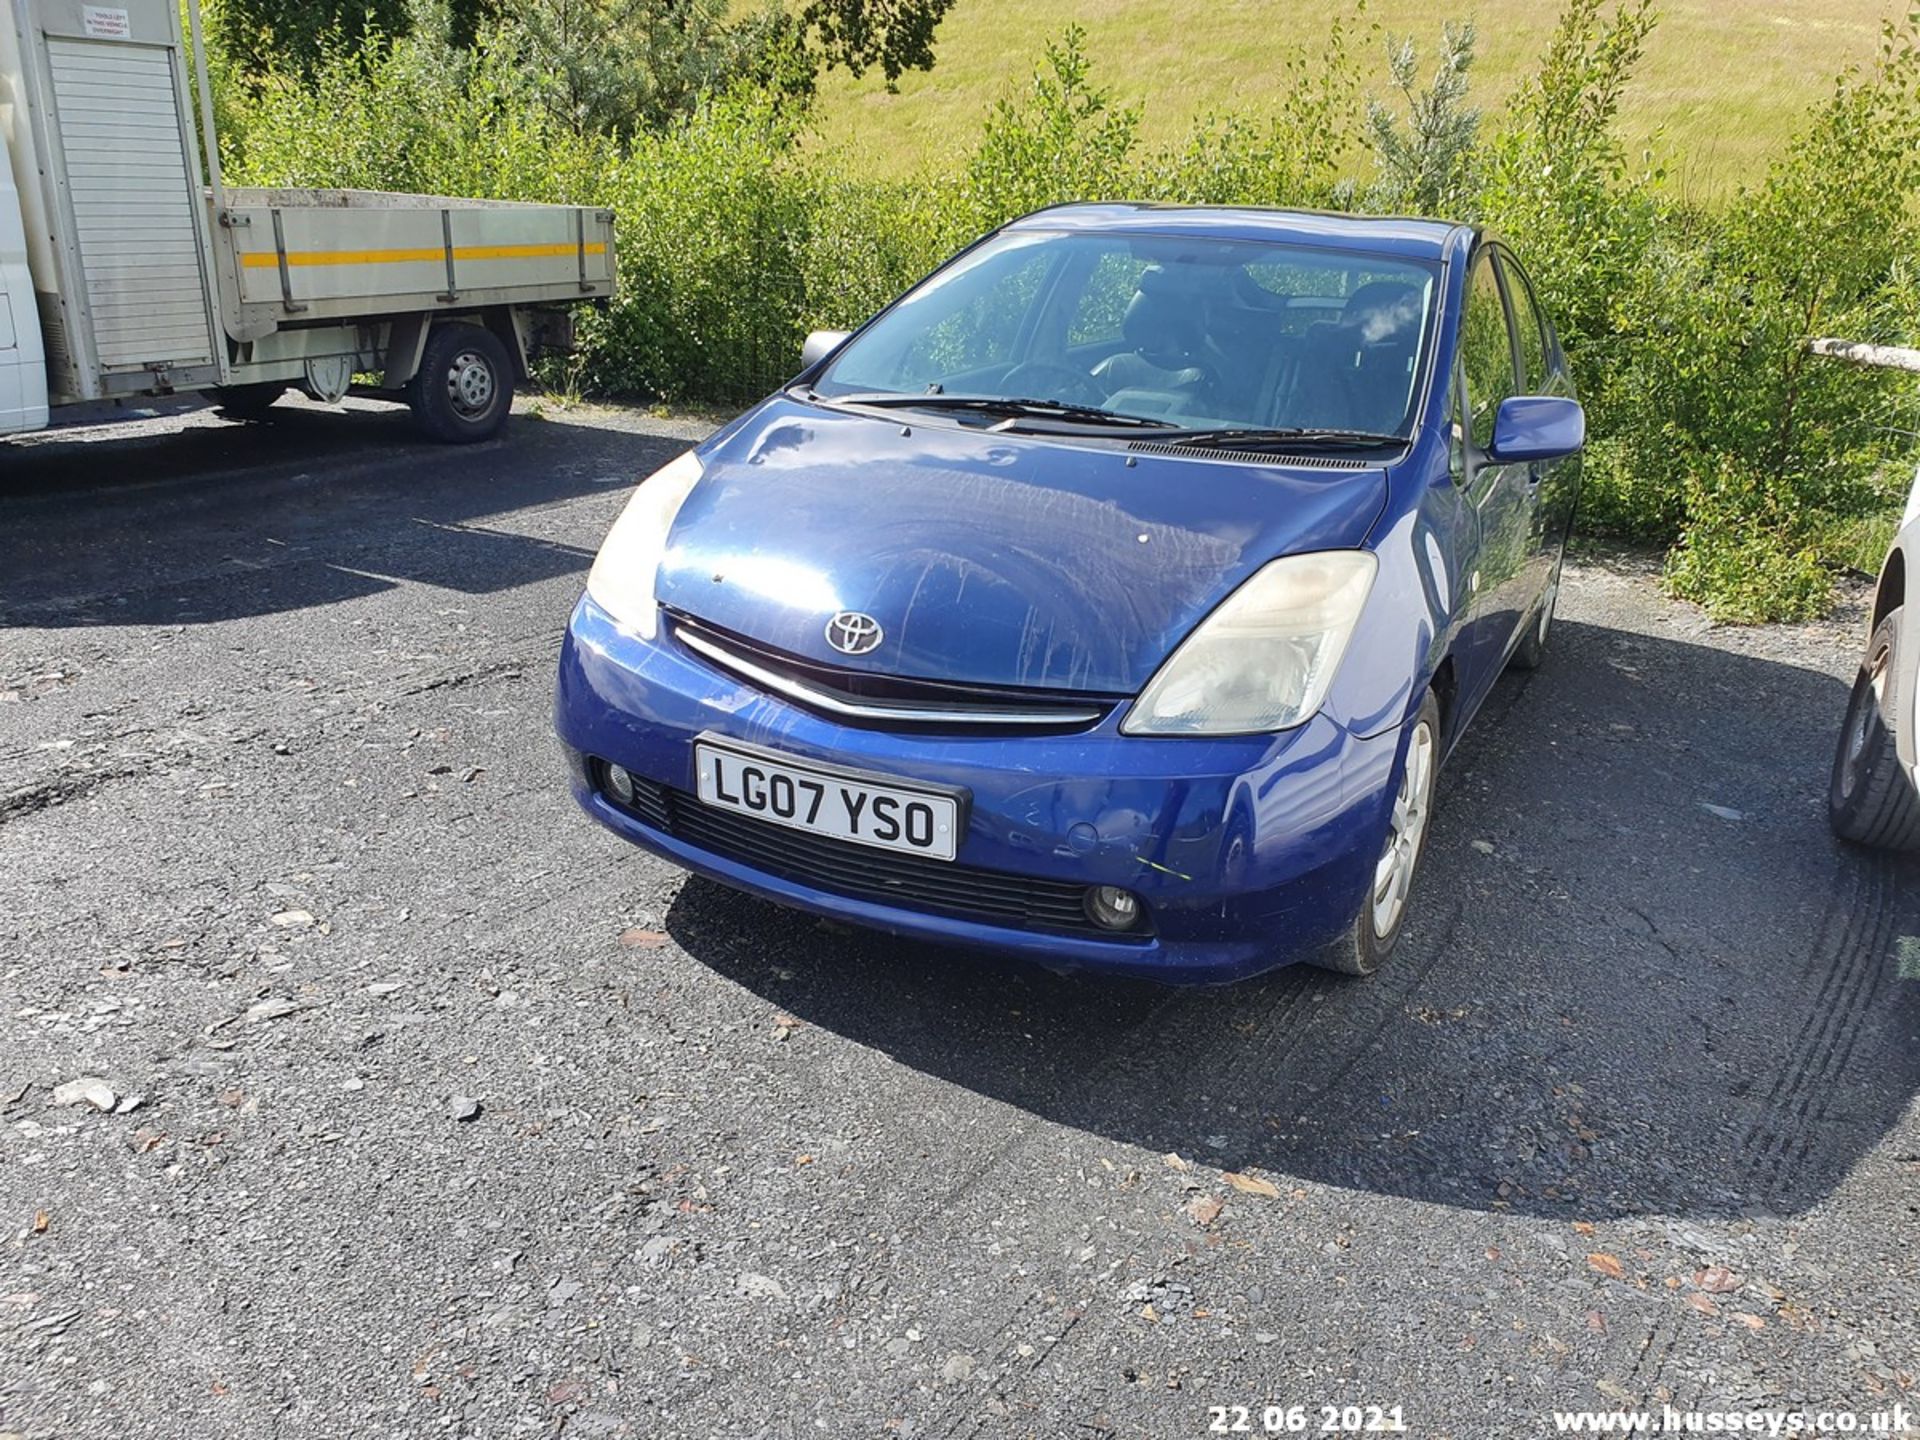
x: 209, y: 138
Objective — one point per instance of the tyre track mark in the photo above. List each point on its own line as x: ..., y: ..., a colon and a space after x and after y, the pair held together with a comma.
x: 1838, y: 987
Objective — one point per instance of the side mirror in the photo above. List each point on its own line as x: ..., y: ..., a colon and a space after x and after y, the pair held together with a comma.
x: 1536, y: 427
x: 820, y: 344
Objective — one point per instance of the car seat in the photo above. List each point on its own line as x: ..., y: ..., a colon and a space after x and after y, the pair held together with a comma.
x: 1354, y: 372
x: 1162, y: 324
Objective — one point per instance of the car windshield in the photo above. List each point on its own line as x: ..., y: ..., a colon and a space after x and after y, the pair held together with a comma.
x: 1184, y: 333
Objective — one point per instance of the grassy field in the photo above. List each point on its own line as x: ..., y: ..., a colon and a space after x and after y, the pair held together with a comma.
x: 1722, y: 83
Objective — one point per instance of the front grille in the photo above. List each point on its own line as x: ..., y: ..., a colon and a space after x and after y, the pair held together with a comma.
x: 864, y: 873
x: 858, y: 697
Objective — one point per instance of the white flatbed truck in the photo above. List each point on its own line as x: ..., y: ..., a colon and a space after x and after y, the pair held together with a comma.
x: 128, y: 269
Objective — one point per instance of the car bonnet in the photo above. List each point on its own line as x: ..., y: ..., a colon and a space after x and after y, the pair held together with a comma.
x: 987, y: 558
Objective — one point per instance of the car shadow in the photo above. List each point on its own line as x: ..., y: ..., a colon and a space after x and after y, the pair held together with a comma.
x: 1640, y: 978
x: 200, y: 520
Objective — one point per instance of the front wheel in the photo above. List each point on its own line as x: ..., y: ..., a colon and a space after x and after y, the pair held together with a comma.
x: 464, y: 386
x: 1374, y: 932
x: 1870, y: 797
x: 1531, y: 652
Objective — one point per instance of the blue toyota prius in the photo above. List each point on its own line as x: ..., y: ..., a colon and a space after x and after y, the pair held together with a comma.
x: 1111, y: 598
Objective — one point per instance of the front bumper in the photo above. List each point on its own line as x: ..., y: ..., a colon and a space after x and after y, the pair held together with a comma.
x: 1248, y: 852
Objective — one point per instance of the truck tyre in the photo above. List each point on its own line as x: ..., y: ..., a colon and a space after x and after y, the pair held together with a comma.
x: 248, y: 402
x: 1871, y: 798
x: 464, y: 386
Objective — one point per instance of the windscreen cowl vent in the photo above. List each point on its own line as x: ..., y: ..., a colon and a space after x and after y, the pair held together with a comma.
x: 1249, y: 457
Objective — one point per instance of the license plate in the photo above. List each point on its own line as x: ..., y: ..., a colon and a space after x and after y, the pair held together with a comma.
x: 821, y: 802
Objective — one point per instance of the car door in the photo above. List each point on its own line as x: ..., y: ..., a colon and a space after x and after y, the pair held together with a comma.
x: 1502, y: 496
x: 1556, y: 483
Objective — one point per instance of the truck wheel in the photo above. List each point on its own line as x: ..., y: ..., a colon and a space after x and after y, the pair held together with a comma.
x: 248, y: 402
x: 1871, y: 799
x: 464, y: 387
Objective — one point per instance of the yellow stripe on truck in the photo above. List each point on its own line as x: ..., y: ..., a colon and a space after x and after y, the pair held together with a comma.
x: 268, y: 259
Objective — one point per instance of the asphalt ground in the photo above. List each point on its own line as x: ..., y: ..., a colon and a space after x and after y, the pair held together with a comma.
x: 287, y: 862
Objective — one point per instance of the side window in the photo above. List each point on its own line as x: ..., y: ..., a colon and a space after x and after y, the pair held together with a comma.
x: 1486, y: 351
x: 1530, y: 325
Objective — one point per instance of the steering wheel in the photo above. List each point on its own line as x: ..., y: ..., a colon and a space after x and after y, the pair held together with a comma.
x: 1044, y: 380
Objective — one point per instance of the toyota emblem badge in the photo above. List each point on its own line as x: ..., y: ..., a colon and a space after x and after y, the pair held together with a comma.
x: 852, y: 633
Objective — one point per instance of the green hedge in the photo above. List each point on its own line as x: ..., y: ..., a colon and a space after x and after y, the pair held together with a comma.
x: 1715, y: 433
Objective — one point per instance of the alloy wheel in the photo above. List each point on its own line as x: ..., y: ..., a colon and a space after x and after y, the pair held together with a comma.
x: 1406, y: 832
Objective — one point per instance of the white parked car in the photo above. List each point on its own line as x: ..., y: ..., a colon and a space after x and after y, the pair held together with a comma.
x: 1874, y: 796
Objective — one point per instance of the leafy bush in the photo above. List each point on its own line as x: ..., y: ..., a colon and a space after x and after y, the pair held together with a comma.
x: 1426, y: 159
x: 1066, y: 142
x: 714, y: 222
x: 618, y: 66
x: 1717, y: 379
x: 415, y: 115
x: 1714, y: 431
x: 1739, y: 551
x: 1557, y: 183
x: 1296, y: 157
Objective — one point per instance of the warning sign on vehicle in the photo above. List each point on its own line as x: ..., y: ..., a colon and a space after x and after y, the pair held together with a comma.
x: 104, y: 22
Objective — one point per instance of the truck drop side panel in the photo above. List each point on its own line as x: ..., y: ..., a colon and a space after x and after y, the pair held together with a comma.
x: 329, y: 254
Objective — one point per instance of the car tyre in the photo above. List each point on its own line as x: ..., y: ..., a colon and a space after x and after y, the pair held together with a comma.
x: 1870, y: 797
x: 1376, y: 929
x: 464, y: 387
x: 1531, y: 653
x: 248, y: 402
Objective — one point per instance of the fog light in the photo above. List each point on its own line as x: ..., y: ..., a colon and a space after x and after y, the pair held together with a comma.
x: 621, y: 783
x: 1112, y: 908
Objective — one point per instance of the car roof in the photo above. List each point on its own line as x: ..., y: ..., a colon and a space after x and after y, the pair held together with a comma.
x: 1385, y: 235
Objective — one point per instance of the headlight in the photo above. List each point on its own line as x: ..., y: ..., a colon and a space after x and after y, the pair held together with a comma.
x: 1264, y: 658
x: 621, y: 581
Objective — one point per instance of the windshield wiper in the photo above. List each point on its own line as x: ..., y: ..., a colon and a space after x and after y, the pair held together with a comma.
x: 1247, y: 436
x: 1000, y: 405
